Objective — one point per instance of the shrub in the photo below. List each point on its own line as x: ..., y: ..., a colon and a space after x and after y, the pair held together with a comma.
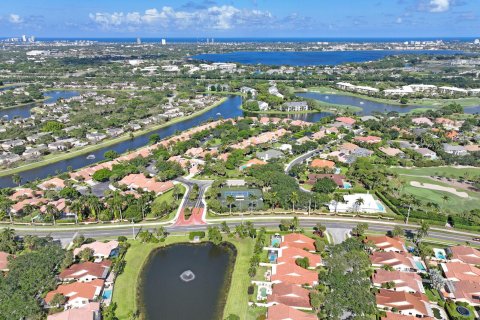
x: 193, y: 234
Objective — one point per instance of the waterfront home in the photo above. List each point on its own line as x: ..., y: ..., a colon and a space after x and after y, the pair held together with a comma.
x: 9, y: 158
x: 422, y: 121
x: 248, y: 90
x: 56, y: 184
x: 95, y: 136
x: 86, y: 271
x: 402, y: 281
x: 4, y: 261
x: 262, y: 105
x: 77, y: 294
x: 464, y: 254
x: 398, y: 261
x: 290, y: 295
x: 90, y: 311
x: 346, y: 120
x: 101, y: 250
x: 352, y: 203
x: 412, y: 304
x: 7, y: 145
x: 385, y: 243
x: 283, y: 312
x: 453, y: 91
x: 295, y: 106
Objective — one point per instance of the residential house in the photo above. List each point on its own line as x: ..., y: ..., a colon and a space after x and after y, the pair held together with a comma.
x: 139, y: 181
x: 385, y: 243
x: 283, y: 312
x: 398, y: 261
x: 464, y: 291
x: 101, y: 250
x: 56, y: 184
x: 4, y: 261
x: 351, y: 203
x: 253, y: 162
x: 392, y: 152
x: 402, y: 281
x: 412, y: 304
x: 86, y: 271
x: 368, y: 139
x: 339, y: 179
x: 346, y: 121
x: 427, y: 153
x: 90, y: 311
x: 295, y: 106
x: 422, y: 121
x: 269, y: 155
x: 293, y: 274
x: 321, y: 163
x: 290, y: 295
x: 78, y: 294
x: 291, y: 254
x: 454, y: 150
x: 464, y: 254
x: 298, y: 240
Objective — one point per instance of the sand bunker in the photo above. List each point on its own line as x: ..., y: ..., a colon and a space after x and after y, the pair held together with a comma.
x: 439, y: 188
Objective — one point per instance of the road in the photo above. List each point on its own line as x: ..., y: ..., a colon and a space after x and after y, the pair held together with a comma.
x: 202, y: 184
x: 301, y: 159
x: 66, y: 234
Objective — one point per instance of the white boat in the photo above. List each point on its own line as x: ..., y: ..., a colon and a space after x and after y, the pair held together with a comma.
x: 361, y: 102
x: 219, y: 114
x: 90, y: 157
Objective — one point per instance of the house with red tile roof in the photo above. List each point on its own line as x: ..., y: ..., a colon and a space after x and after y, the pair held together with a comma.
x: 321, y: 163
x: 348, y: 147
x: 101, y: 250
x: 24, y: 194
x: 463, y: 291
x: 86, y: 271
x: 386, y: 243
x: 283, y: 312
x: 293, y: 274
x: 346, y: 120
x: 253, y: 162
x: 458, y: 271
x: 291, y: 254
x: 90, y: 311
x: 464, y: 254
x: 391, y: 152
x: 398, y: 261
x: 410, y: 304
x: 368, y: 139
x: 78, y: 294
x: 299, y: 241
x: 403, y: 281
x: 339, y: 179
x: 52, y: 184
x: 139, y: 181
x: 4, y: 261
x: 422, y: 121
x: 290, y: 295
x: 20, y: 205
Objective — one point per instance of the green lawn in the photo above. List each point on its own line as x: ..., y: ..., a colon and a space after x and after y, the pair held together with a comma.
x: 454, y: 204
x: 168, y: 198
x: 449, y: 172
x: 237, y: 299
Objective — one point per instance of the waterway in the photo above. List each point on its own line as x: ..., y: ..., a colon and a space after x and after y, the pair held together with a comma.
x: 309, y: 58
x: 164, y: 295
x: 228, y: 109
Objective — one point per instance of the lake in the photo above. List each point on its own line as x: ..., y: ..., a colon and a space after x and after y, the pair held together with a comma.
x: 310, y: 58
x: 23, y: 111
x: 368, y: 106
x: 164, y: 295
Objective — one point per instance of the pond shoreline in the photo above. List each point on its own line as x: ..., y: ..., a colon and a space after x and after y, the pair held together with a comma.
x: 231, y: 250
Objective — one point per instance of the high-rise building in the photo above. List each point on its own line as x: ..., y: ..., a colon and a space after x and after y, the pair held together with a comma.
x: 164, y: 42
x: 32, y: 39
x: 139, y: 41
x: 477, y: 41
x: 24, y: 38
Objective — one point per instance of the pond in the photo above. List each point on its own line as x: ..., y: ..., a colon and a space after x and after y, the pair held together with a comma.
x: 185, y: 281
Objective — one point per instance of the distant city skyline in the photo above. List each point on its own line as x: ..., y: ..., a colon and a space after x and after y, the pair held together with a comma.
x: 242, y: 18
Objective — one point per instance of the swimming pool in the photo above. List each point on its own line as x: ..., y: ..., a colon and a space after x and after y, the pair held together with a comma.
x: 276, y: 242
x: 420, y: 265
x: 107, y: 294
x: 380, y: 207
x: 440, y: 254
x: 347, y: 185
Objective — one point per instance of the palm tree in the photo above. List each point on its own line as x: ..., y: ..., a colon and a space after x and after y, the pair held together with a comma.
x: 51, y: 211
x: 230, y: 201
x: 358, y: 204
x: 77, y: 208
x: 338, y: 198
x: 5, y: 206
x: 251, y: 198
x: 294, y: 199
x: 94, y: 206
x: 423, y: 230
x: 17, y: 179
x: 274, y: 199
x: 445, y: 198
x: 143, y: 202
x: 176, y: 191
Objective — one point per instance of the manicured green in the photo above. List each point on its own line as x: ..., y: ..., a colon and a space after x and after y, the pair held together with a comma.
x: 450, y: 172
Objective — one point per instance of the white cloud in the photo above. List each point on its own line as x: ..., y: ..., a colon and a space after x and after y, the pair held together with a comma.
x: 399, y: 20
x: 15, y: 18
x: 216, y: 17
x: 439, y: 5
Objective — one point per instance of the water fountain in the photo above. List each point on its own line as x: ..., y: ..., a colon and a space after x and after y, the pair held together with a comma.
x: 187, y: 276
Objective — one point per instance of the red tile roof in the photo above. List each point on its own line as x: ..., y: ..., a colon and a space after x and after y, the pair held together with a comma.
x: 467, y: 291
x: 298, y: 240
x: 346, y: 120
x: 87, y: 312
x: 392, y: 259
x: 320, y: 163
x: 465, y: 254
x: 283, y: 312
x: 136, y: 181
x: 396, y: 316
x: 457, y: 271
x: 290, y: 254
x: 387, y: 243
x: 4, y: 260
x: 337, y: 178
x: 80, y: 270
x: 86, y: 290
x: 403, y: 301
x: 404, y: 281
x: 291, y: 273
x: 290, y: 295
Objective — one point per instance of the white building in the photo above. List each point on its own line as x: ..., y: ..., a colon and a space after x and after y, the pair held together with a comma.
x: 351, y: 203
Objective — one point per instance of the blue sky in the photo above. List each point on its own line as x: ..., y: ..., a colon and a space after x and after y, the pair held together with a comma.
x: 240, y: 18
